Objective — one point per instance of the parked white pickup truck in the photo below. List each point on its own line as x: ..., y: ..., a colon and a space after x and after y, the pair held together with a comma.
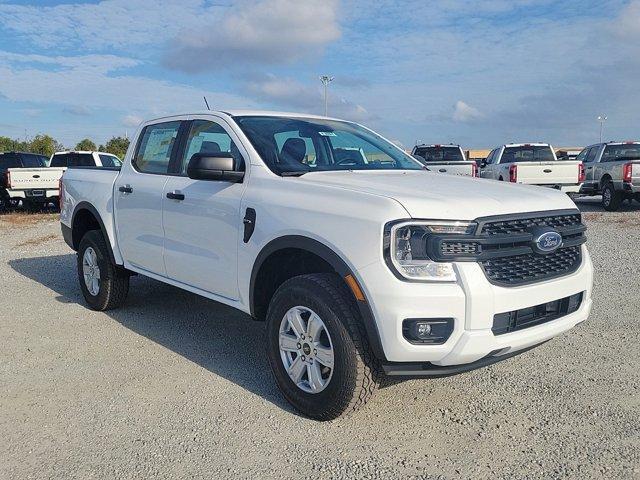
x: 533, y: 164
x: 361, y: 269
x: 445, y: 159
x: 25, y: 177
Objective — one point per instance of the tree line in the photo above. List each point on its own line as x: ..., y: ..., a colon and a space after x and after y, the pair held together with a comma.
x: 47, y: 145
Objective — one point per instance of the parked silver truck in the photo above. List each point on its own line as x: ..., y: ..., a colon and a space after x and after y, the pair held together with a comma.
x: 612, y: 169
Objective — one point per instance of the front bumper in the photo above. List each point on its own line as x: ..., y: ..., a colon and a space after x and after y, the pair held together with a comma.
x: 472, y: 302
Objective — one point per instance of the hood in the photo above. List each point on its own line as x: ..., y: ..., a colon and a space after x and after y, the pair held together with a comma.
x: 449, y: 197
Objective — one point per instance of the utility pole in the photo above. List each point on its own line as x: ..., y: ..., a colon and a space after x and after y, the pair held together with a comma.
x: 325, y: 79
x: 601, y: 119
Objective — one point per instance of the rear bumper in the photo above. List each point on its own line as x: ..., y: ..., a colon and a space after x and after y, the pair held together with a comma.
x: 29, y: 194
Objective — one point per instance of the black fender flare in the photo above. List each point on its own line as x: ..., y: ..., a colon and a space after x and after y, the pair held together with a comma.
x: 87, y: 206
x: 336, y: 262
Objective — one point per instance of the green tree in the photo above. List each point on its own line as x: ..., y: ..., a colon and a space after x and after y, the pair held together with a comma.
x: 116, y: 145
x: 44, y: 145
x: 12, y: 145
x: 86, y: 144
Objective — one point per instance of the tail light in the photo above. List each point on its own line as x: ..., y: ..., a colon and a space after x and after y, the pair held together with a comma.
x: 8, y: 179
x: 581, y: 174
x: 60, y: 192
x: 474, y: 169
x: 626, y: 172
x: 513, y: 173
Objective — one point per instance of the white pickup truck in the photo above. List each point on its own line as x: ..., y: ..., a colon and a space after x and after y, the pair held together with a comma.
x: 448, y: 159
x: 25, y: 177
x: 533, y: 164
x: 361, y: 269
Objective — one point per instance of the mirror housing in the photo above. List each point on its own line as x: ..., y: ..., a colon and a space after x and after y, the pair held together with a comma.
x: 483, y: 163
x: 219, y: 166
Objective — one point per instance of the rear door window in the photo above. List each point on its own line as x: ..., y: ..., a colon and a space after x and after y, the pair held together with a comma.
x: 109, y: 160
x: 155, y: 147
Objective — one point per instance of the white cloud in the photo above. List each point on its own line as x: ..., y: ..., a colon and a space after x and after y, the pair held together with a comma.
x: 267, y: 32
x: 290, y: 93
x: 464, y: 112
x: 89, y: 82
x: 132, y: 120
x: 108, y: 24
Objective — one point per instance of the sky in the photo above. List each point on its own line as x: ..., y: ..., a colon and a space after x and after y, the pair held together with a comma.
x: 475, y: 73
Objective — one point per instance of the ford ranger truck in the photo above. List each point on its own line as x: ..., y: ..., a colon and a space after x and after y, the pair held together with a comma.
x: 613, y: 171
x: 445, y: 159
x: 533, y: 164
x: 25, y: 178
x: 361, y: 270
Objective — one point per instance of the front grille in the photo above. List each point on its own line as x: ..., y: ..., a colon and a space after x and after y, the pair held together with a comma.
x: 521, y: 225
x: 460, y: 248
x: 538, y: 314
x: 532, y: 267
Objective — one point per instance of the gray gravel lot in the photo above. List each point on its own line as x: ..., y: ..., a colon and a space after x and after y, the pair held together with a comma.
x: 176, y: 386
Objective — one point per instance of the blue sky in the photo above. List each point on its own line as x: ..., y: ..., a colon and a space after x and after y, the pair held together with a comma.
x: 478, y: 73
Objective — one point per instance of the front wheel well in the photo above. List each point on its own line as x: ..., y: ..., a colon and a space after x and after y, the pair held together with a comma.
x: 279, y: 267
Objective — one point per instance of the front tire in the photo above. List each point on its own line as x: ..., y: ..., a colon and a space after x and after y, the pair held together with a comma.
x: 611, y: 199
x: 104, y: 285
x: 318, y: 349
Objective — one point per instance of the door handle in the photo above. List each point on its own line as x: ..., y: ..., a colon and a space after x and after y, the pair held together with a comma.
x: 125, y: 189
x: 547, y: 170
x: 442, y: 170
x: 175, y: 195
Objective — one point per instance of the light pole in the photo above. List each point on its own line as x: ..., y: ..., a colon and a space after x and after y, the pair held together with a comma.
x: 601, y: 119
x: 325, y: 79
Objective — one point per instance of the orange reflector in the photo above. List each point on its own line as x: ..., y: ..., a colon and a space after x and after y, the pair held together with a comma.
x: 355, y: 288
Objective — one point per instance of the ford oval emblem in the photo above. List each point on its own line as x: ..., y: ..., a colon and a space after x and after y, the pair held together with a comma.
x: 548, y: 242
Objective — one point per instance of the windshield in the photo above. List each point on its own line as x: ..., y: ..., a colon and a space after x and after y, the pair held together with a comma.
x: 300, y: 145
x: 110, y: 160
x: 628, y: 151
x: 530, y: 153
x: 440, y: 154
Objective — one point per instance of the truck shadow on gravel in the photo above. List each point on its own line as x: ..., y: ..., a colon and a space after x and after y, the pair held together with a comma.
x: 221, y: 339
x: 594, y: 204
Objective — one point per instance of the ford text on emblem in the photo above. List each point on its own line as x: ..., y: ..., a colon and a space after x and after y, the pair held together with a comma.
x: 548, y: 241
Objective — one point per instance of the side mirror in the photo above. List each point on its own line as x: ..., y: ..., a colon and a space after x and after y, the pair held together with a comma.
x: 214, y: 166
x: 483, y: 163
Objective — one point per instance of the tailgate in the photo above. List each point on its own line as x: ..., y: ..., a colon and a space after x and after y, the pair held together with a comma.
x: 35, y: 178
x: 548, y: 173
x: 451, y: 168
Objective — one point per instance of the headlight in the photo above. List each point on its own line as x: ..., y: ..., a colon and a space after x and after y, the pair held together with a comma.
x: 406, y: 249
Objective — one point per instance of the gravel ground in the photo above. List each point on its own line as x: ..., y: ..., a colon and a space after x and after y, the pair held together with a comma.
x: 176, y: 386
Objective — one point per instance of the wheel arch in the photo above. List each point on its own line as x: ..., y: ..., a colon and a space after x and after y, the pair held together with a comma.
x: 606, y: 178
x: 85, y: 218
x: 310, y: 253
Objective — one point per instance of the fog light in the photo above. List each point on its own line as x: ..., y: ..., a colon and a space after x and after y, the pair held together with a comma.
x: 430, y: 331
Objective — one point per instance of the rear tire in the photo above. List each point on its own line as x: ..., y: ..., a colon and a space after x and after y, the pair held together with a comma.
x: 611, y: 199
x: 104, y: 285
x: 355, y: 373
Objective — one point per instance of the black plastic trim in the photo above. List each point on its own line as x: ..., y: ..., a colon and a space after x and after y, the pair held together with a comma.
x: 333, y: 259
x: 87, y: 206
x: 249, y: 222
x: 429, y: 370
x: 67, y: 234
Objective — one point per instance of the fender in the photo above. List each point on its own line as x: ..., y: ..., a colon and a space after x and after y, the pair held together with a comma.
x: 336, y: 262
x: 68, y: 235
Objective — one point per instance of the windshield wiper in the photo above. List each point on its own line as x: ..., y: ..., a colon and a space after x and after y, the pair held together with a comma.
x: 295, y: 173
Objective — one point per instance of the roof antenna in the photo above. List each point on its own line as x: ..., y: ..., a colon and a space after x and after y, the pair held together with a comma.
x: 206, y: 103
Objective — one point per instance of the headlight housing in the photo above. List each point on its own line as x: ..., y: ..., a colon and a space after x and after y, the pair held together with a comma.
x: 406, y: 249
